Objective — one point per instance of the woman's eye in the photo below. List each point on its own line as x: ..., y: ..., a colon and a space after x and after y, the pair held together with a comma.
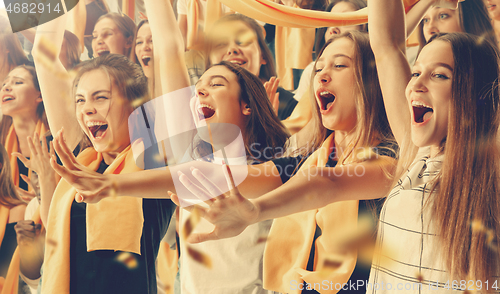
x: 415, y: 74
x: 441, y: 76
x: 138, y: 43
x: 101, y: 97
x: 444, y: 15
x: 19, y: 83
x: 79, y: 100
x: 318, y: 70
x: 216, y: 85
x: 221, y: 45
x: 425, y: 20
x: 340, y: 65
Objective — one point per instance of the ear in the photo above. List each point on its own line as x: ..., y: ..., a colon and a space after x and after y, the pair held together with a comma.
x: 128, y: 43
x: 39, y: 98
x: 245, y: 109
x: 262, y: 60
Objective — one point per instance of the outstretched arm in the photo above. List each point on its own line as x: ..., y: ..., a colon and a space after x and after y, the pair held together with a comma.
x: 55, y: 82
x: 92, y: 186
x: 309, y: 189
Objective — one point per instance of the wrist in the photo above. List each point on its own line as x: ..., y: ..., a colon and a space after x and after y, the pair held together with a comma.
x: 257, y: 212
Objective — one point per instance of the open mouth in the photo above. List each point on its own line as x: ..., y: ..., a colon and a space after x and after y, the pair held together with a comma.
x: 238, y: 62
x: 326, y: 100
x: 491, y: 7
x: 7, y: 98
x: 421, y: 112
x: 146, y: 60
x: 102, y: 52
x: 205, y: 112
x: 97, y: 129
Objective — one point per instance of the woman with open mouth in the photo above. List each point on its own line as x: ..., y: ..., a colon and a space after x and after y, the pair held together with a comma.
x: 113, y: 34
x: 110, y: 247
x: 238, y: 39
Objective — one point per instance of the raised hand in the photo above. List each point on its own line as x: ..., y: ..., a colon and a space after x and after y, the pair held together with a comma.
x: 271, y: 88
x: 91, y: 186
x: 230, y: 212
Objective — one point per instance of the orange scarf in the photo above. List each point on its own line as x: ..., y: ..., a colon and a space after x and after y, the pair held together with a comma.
x: 106, y: 222
x: 9, y: 285
x: 291, y: 237
x: 285, y: 16
x: 12, y: 145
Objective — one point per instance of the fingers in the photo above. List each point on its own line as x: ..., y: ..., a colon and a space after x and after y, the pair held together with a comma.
x: 276, y: 103
x: 25, y: 195
x: 209, y: 185
x: 194, y: 189
x: 61, y: 170
x: 67, y: 158
x: 230, y: 181
x: 202, y: 210
x: 23, y: 159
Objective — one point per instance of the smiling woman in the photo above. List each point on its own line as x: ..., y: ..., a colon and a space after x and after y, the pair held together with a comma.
x: 104, y: 89
x: 113, y: 33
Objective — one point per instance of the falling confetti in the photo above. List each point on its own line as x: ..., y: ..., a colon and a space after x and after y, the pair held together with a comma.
x: 127, y: 259
x: 200, y: 257
x: 262, y: 239
x: 191, y: 222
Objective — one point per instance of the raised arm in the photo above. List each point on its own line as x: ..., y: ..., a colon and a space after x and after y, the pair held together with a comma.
x: 168, y: 46
x: 386, y: 20
x: 55, y: 82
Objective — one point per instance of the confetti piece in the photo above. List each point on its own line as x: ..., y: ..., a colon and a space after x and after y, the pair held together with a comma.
x: 200, y: 257
x: 191, y: 222
x: 262, y: 239
x: 127, y: 259
x: 420, y: 277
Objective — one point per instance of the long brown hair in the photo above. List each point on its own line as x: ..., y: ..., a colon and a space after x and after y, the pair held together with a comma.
x: 268, y: 69
x: 372, y: 125
x: 8, y: 194
x: 265, y: 135
x: 465, y: 193
x: 40, y: 111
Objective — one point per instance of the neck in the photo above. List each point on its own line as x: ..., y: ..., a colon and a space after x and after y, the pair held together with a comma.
x: 109, y: 157
x: 435, y: 150
x: 24, y: 127
x: 234, y: 149
x: 342, y: 142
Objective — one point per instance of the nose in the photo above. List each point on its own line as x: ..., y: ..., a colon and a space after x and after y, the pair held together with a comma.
x: 233, y: 49
x: 201, y: 93
x: 417, y: 84
x: 7, y: 87
x: 88, y: 108
x: 147, y: 46
x: 431, y: 27
x: 323, y: 77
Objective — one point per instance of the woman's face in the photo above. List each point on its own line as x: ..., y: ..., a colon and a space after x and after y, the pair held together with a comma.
x: 102, y: 112
x: 339, y: 8
x: 429, y: 94
x: 493, y: 7
x: 218, y: 98
x: 19, y: 96
x: 335, y: 84
x: 144, y: 50
x: 237, y: 43
x: 441, y: 20
x: 107, y: 38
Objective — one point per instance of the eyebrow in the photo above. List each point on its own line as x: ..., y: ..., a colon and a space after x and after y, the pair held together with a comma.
x: 335, y: 56
x: 111, y: 29
x: 213, y: 77
x: 95, y: 93
x: 437, y: 64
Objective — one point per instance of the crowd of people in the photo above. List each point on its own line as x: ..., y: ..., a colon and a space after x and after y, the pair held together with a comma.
x: 162, y: 154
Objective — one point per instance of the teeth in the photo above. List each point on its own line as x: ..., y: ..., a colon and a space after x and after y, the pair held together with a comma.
x: 324, y: 93
x: 95, y: 123
x: 7, y: 98
x: 205, y: 105
x: 237, y: 62
x: 419, y: 104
